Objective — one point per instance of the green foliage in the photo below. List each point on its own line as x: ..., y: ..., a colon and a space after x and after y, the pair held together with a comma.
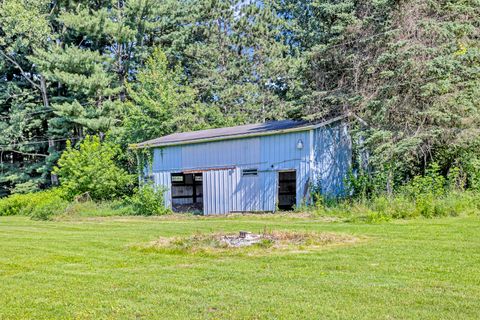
x: 409, y: 69
x: 382, y: 208
x: 431, y: 184
x: 26, y: 187
x: 91, y: 168
x: 472, y: 168
x: 13, y: 204
x: 360, y: 184
x: 397, y: 207
x: 148, y: 201
x: 458, y: 203
x: 429, y: 195
x: 63, y: 70
x: 50, y: 205
x: 39, y: 205
x: 161, y: 103
x: 79, y: 209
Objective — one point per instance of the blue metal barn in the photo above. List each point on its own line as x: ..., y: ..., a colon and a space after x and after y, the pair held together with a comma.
x: 259, y: 167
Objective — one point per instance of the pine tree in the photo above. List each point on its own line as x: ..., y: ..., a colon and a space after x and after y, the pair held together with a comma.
x: 24, y: 105
x: 406, y: 69
x: 74, y: 60
x: 234, y: 55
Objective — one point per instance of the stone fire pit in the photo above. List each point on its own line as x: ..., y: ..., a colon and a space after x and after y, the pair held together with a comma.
x: 243, y: 240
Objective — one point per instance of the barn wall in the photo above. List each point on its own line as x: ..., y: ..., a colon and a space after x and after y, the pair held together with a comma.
x: 163, y: 180
x: 324, y: 161
x: 332, y: 158
x: 229, y: 191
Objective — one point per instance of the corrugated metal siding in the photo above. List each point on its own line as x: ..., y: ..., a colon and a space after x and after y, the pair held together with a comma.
x: 163, y: 180
x: 269, y: 190
x: 282, y: 154
x: 279, y: 150
x: 216, y: 191
x: 221, y: 153
x: 167, y: 159
x: 207, y: 155
x: 228, y: 191
x: 332, y: 156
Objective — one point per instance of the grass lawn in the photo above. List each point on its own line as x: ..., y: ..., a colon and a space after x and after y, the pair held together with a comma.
x: 85, y: 269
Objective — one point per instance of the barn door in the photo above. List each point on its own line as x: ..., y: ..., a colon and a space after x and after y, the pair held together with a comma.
x: 232, y: 190
x: 217, y: 185
x: 287, y: 190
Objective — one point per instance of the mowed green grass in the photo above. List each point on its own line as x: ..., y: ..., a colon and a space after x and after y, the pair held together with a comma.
x: 417, y: 269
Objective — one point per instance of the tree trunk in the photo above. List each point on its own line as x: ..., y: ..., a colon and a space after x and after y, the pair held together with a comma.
x: 390, y: 183
x: 51, y: 142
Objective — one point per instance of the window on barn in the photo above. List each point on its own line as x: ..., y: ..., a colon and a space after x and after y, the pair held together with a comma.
x: 177, y: 178
x: 249, y: 172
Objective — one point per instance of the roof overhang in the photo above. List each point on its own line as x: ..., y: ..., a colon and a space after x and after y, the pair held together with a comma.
x: 241, y: 136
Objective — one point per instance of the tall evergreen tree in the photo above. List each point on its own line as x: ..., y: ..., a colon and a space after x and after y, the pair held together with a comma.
x: 24, y: 104
x: 407, y: 69
x: 234, y: 54
x: 71, y: 62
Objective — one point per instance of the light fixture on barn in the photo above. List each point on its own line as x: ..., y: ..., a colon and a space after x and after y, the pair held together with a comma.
x: 299, y: 144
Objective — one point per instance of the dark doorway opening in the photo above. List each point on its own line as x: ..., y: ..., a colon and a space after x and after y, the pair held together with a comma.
x: 187, y: 192
x: 287, y: 190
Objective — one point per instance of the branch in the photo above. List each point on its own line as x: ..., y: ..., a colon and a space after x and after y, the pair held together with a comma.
x: 27, y: 153
x: 24, y: 74
x: 363, y: 122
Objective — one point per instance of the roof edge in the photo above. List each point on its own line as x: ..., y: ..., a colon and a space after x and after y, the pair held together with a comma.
x: 239, y: 136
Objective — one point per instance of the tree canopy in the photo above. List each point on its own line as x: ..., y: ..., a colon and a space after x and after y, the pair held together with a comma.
x: 407, y: 71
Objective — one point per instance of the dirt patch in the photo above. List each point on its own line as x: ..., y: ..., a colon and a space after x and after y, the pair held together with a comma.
x: 248, y: 242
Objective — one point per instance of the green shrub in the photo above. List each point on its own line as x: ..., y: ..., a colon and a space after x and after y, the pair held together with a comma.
x: 12, y: 205
x: 400, y: 206
x: 431, y: 184
x: 458, y: 203
x: 48, y: 208
x: 92, y: 169
x: 396, y: 207
x: 38, y: 205
x: 377, y: 217
x: 472, y: 169
x: 148, y: 201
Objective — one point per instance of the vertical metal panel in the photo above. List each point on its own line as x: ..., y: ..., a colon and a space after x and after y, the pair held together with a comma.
x: 269, y: 190
x: 163, y: 180
x: 228, y: 191
x: 216, y: 192
x: 333, y: 154
x: 249, y: 187
x: 236, y: 192
x: 209, y: 197
x: 206, y: 185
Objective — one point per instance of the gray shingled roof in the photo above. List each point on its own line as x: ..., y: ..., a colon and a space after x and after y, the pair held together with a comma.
x: 248, y: 130
x: 223, y: 133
